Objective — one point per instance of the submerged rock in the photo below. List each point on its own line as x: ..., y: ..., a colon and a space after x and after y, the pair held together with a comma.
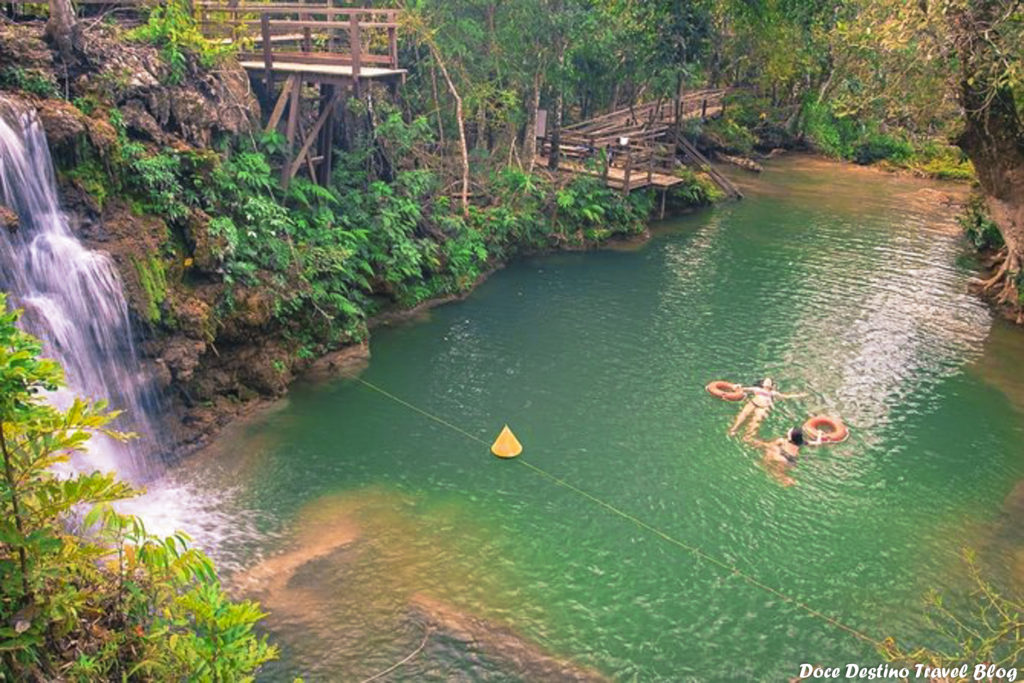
x: 9, y: 220
x: 499, y: 641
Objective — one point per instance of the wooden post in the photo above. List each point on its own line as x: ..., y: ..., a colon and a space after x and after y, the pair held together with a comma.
x: 268, y: 54
x: 326, y: 142
x: 629, y: 170
x: 293, y: 122
x: 664, y: 191
x: 392, y: 41
x: 650, y: 167
x: 291, y: 168
x: 704, y: 109
x: 356, y: 46
x: 275, y: 115
x: 307, y: 34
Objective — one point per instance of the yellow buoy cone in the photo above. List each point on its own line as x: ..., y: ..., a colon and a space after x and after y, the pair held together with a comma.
x: 506, y: 445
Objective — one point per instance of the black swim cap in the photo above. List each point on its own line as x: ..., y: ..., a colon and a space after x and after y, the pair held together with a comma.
x: 796, y: 436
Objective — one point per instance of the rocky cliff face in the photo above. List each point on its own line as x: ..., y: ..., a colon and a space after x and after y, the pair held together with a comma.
x: 210, y: 362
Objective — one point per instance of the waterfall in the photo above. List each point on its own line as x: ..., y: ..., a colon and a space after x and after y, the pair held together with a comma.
x: 72, y: 297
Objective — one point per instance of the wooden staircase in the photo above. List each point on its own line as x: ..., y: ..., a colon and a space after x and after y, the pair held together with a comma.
x: 640, y: 146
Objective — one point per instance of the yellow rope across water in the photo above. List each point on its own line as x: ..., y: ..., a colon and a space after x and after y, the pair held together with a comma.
x: 694, y: 550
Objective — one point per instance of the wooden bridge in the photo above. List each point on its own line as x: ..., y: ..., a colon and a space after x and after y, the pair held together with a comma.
x: 335, y: 50
x: 640, y: 146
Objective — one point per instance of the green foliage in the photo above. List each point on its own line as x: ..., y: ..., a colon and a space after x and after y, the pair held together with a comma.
x: 91, y: 177
x: 87, y: 104
x: 984, y: 626
x: 731, y: 135
x: 153, y: 279
x: 172, y: 28
x: 590, y: 211
x: 696, y: 190
x: 832, y: 135
x: 981, y: 231
x: 848, y: 137
x: 96, y: 597
x: 157, y: 179
x: 882, y: 146
x: 29, y: 80
x: 940, y: 160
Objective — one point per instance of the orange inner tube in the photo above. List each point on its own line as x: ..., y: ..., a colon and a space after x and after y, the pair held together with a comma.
x: 727, y: 391
x: 830, y: 429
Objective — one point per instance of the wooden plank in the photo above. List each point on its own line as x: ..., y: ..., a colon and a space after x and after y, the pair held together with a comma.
x: 393, y: 47
x: 340, y: 72
x: 275, y: 116
x: 306, y: 157
x: 629, y: 170
x: 268, y: 56
x: 314, y: 57
x: 294, y: 166
x: 299, y: 24
x: 280, y: 7
x: 355, y: 45
x: 293, y: 122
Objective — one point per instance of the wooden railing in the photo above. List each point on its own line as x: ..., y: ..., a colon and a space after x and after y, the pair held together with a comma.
x: 635, y: 163
x: 305, y: 32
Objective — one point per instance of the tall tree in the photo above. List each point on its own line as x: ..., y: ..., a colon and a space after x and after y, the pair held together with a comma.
x: 900, y: 53
x: 62, y: 28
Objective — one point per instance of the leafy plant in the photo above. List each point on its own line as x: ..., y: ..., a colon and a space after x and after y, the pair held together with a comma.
x: 982, y: 627
x: 172, y: 28
x: 981, y: 231
x: 29, y: 80
x: 96, y: 596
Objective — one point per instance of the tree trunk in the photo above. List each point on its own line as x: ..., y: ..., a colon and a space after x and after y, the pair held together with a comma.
x: 556, y: 128
x: 437, y: 107
x: 62, y: 29
x: 461, y: 121
x: 481, y: 127
x: 994, y: 142
x: 993, y: 139
x: 530, y: 139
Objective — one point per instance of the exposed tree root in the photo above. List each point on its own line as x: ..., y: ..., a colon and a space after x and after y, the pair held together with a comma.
x: 1003, y: 262
x: 1001, y: 288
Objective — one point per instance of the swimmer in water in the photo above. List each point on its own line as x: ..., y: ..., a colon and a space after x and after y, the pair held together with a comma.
x: 780, y: 455
x: 761, y: 400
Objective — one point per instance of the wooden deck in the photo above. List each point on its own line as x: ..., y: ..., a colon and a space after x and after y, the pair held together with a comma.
x: 328, y: 71
x: 298, y: 44
x: 315, y: 40
x: 615, y: 177
x: 640, y: 146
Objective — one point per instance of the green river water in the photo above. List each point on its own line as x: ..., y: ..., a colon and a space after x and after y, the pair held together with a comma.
x: 345, y: 512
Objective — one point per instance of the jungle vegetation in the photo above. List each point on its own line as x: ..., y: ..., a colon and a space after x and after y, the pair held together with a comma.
x: 86, y: 593
x: 430, y: 191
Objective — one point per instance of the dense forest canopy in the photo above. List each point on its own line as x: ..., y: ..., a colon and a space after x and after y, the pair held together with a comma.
x: 860, y: 79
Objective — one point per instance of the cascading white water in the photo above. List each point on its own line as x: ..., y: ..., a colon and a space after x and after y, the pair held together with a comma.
x: 72, y: 296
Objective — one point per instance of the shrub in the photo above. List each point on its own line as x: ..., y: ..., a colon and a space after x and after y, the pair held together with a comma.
x: 96, y: 597
x: 832, y: 135
x: 882, y: 146
x: 29, y: 80
x: 981, y: 231
x: 172, y: 28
